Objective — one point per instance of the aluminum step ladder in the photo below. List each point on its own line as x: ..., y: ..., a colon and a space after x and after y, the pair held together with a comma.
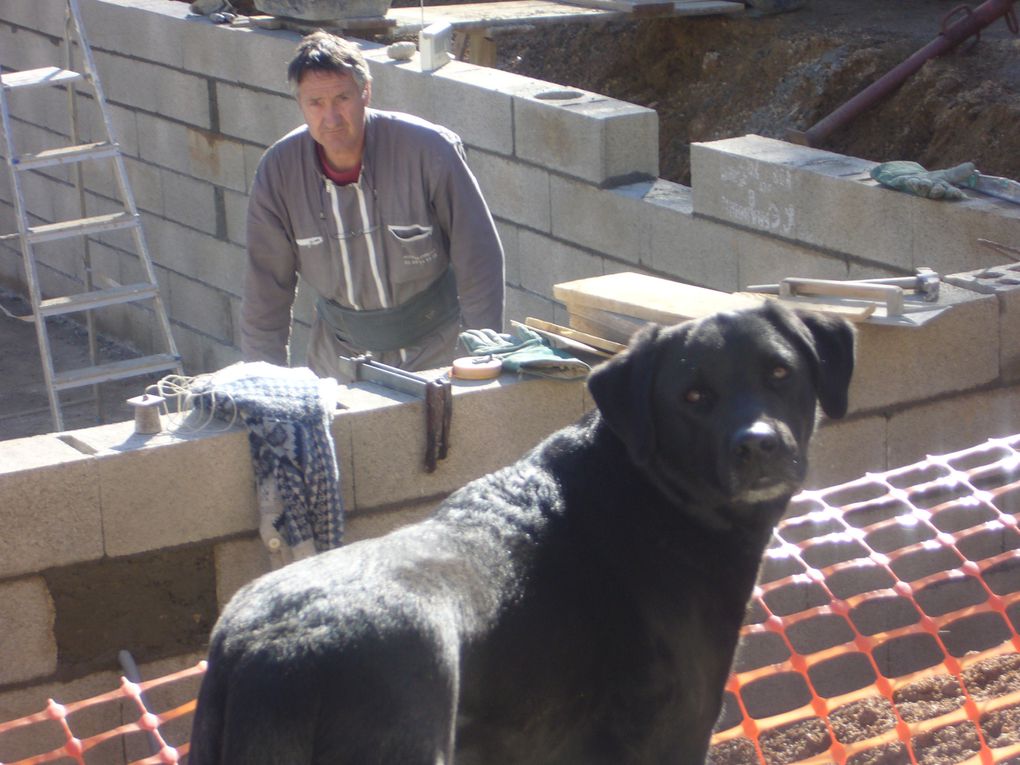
x: 76, y: 232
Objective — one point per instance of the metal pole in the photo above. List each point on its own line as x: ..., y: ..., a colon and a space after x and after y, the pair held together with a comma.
x: 970, y: 24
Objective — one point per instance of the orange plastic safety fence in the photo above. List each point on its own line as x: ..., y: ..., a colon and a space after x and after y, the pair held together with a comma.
x: 77, y: 749
x: 887, y: 589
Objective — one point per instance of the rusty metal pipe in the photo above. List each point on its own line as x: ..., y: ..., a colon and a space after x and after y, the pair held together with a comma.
x: 971, y: 23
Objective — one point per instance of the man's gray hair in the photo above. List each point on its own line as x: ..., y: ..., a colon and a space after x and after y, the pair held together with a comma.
x: 324, y: 52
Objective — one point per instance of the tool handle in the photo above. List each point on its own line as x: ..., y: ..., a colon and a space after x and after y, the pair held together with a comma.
x: 889, y: 294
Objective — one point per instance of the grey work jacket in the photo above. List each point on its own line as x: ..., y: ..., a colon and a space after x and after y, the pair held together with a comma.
x: 415, y: 210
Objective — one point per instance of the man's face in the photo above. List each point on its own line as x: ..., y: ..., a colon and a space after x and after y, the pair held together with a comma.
x: 334, y: 108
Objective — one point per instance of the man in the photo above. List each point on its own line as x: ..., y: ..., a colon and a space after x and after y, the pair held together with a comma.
x: 379, y: 214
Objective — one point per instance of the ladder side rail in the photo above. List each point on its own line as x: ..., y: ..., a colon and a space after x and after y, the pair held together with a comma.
x: 28, y: 258
x: 79, y: 186
x: 88, y: 62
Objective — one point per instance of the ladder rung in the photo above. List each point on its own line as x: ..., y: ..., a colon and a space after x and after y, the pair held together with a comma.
x: 34, y: 78
x: 81, y: 226
x: 117, y: 370
x: 86, y: 301
x: 65, y: 155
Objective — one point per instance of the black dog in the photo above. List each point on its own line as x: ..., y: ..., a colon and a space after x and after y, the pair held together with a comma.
x: 581, y: 606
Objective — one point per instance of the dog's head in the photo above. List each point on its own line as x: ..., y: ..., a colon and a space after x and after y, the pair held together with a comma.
x: 718, y: 412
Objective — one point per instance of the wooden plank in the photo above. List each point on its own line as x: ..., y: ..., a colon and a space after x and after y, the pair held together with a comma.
x: 599, y: 343
x: 648, y: 298
x: 510, y: 13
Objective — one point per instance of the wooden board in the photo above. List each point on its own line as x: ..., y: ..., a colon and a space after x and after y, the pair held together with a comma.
x: 593, y: 341
x: 515, y: 13
x: 649, y: 298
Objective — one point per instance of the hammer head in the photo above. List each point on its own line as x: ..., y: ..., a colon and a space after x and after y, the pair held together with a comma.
x: 928, y: 282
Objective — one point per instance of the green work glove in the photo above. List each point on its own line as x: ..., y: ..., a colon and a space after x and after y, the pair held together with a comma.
x: 524, y: 352
x: 932, y: 184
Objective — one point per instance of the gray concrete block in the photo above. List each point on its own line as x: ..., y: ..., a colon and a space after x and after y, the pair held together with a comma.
x: 843, y: 451
x: 27, y: 641
x: 477, y: 103
x: 192, y: 151
x: 946, y: 234
x: 509, y: 238
x: 941, y: 427
x: 189, y: 201
x: 545, y: 262
x: 514, y: 191
x: 168, y: 490
x: 236, y: 213
x: 189, y: 252
x: 199, y: 306
x: 203, y: 354
x: 237, y: 104
x: 767, y: 260
x: 953, y: 352
x: 380, y: 522
x: 401, y: 86
x: 520, y: 304
x: 587, y: 136
x: 389, y: 440
x: 611, y: 222
x: 155, y: 88
x: 239, y: 561
x: 147, y: 29
x: 51, y: 497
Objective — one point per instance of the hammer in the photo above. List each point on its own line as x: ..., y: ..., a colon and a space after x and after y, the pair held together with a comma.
x: 925, y: 282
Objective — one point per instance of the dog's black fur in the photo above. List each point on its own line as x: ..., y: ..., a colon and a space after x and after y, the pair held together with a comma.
x: 581, y: 606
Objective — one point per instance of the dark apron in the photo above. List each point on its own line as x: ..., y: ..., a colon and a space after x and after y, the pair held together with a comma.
x: 389, y: 329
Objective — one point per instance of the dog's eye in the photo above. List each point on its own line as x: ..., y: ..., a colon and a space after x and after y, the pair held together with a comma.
x: 695, y: 396
x: 780, y: 372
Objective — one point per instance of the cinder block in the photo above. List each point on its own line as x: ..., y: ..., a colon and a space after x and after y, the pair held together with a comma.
x: 610, y: 222
x: 591, y: 137
x: 193, y: 151
x: 155, y: 88
x: 694, y: 250
x: 953, y: 352
x: 239, y: 561
x: 27, y: 642
x: 278, y: 114
x: 767, y: 260
x: 197, y: 305
x: 50, y: 506
x: 388, y: 441
x: 952, y: 424
x: 201, y: 353
x: 402, y: 86
x: 520, y: 304
x: 149, y: 30
x: 844, y: 450
x: 168, y: 490
x: 236, y: 213
x: 1003, y: 281
x: 380, y: 522
x: 508, y: 237
x: 514, y: 191
x: 946, y: 234
x: 545, y: 262
x: 185, y: 251
x: 477, y: 103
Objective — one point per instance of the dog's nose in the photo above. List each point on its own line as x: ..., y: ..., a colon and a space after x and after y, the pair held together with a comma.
x: 754, y: 442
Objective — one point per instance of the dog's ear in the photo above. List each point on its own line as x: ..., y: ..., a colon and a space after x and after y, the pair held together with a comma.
x: 828, y: 342
x: 622, y: 388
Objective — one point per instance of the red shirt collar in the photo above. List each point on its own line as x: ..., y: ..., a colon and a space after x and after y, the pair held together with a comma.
x: 341, y: 179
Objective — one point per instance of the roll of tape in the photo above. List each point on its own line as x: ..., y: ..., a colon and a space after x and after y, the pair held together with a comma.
x: 476, y: 368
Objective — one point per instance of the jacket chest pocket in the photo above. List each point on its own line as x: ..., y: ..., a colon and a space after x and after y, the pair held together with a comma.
x: 417, y: 253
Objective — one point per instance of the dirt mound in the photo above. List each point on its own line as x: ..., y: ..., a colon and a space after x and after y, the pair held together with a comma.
x: 717, y: 77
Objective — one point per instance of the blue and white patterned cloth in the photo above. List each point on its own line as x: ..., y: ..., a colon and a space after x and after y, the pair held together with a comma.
x: 287, y: 413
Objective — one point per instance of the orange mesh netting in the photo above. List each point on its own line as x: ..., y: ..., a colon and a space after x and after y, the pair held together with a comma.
x: 884, y: 614
x: 884, y: 619
x: 59, y: 721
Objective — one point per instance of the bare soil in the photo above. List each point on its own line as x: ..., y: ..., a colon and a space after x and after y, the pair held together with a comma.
x: 723, y: 76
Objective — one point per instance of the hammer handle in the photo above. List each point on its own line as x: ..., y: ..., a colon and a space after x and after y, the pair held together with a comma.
x: 889, y: 294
